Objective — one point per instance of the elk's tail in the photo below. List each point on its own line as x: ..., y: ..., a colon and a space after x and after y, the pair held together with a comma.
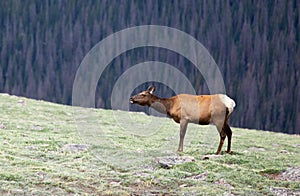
x: 228, y: 102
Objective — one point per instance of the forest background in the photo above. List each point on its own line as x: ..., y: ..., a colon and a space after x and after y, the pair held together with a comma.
x: 255, y: 44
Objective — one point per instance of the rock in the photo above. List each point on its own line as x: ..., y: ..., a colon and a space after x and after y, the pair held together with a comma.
x: 115, y: 184
x: 41, y: 175
x: 36, y: 128
x: 284, y: 191
x: 297, y: 145
x: 75, y: 147
x: 199, y: 177
x: 256, y: 149
x: 21, y: 101
x: 284, y: 152
x: 212, y: 156
x: 139, y: 150
x: 2, y: 126
x: 223, y: 183
x: 169, y: 161
x: 31, y: 147
x: 291, y: 174
x: 183, y: 185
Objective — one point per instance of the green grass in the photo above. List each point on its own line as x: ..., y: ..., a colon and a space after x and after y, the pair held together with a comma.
x: 120, y: 161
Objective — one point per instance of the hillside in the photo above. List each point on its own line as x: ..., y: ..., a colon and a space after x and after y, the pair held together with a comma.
x: 45, y: 151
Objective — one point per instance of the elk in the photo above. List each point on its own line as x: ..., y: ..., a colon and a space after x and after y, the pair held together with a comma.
x: 199, y: 109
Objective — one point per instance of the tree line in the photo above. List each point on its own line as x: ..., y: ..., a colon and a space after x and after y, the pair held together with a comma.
x: 254, y: 43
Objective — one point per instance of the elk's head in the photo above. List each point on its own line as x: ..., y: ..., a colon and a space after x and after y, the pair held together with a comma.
x: 144, y: 97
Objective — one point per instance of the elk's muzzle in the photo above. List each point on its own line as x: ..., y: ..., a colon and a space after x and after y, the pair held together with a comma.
x: 131, y: 100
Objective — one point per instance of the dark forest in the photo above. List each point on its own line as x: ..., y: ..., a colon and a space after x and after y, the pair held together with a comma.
x: 255, y: 44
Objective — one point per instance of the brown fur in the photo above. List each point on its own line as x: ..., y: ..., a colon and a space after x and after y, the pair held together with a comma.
x: 185, y: 108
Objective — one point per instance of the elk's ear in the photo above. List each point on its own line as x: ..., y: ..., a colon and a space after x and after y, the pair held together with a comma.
x: 151, y: 89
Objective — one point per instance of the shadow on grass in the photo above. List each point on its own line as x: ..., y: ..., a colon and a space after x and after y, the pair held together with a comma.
x: 225, y: 153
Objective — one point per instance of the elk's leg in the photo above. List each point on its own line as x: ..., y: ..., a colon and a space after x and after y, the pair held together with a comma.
x: 222, y: 138
x: 229, y: 135
x: 183, y: 127
x: 220, y: 127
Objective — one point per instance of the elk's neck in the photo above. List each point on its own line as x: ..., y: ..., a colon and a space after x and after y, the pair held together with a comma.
x: 161, y: 105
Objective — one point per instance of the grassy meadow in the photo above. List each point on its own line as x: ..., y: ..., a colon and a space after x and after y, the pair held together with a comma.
x: 52, y: 149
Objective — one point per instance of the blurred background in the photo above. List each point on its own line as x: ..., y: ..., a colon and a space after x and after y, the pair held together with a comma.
x: 255, y: 44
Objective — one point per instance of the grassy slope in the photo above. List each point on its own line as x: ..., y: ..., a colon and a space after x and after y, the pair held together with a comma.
x: 34, y: 160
